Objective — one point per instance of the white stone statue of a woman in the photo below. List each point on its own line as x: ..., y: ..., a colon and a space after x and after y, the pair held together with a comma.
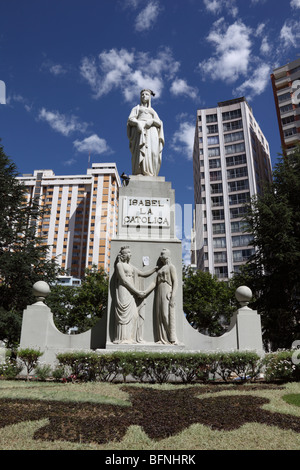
x: 128, y: 298
x: 166, y: 287
x: 146, y: 137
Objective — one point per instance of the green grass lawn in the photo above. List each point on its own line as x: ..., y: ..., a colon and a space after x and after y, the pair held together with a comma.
x: 292, y: 399
x: 106, y: 416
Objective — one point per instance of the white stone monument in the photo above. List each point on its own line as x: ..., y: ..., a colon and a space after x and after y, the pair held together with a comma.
x: 145, y: 283
x: 145, y: 302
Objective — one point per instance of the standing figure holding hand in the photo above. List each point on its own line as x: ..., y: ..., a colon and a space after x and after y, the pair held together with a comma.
x: 129, y: 298
x: 166, y: 287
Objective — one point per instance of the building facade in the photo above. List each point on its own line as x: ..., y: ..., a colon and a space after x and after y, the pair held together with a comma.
x: 286, y: 89
x: 80, y: 215
x: 231, y: 161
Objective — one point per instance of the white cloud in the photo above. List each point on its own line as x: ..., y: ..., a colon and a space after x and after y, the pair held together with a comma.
x: 183, y: 139
x: 290, y: 33
x: 61, y: 123
x: 57, y: 69
x: 265, y: 47
x: 295, y: 3
x: 69, y: 162
x: 148, y: 16
x: 129, y: 72
x: 216, y: 6
x: 257, y: 83
x: 92, y: 144
x: 260, y: 28
x: 114, y: 65
x: 180, y: 87
x: 54, y: 69
x: 17, y: 98
x: 130, y: 3
x: 232, y: 51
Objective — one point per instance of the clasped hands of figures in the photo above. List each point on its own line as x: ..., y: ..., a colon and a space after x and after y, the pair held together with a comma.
x: 169, y: 295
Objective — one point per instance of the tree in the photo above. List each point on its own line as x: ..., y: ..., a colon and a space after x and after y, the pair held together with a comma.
x: 23, y: 255
x: 273, y: 271
x: 80, y: 306
x: 207, y: 302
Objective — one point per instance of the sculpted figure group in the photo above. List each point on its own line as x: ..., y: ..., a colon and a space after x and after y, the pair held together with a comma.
x: 130, y: 300
x: 146, y: 141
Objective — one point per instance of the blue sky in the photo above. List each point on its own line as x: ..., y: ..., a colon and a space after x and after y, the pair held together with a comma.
x: 73, y: 70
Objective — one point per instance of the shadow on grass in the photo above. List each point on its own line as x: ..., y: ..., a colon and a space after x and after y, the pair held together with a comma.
x: 161, y: 413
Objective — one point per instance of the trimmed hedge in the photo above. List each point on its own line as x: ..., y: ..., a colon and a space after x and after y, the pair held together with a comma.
x: 160, y: 367
x: 282, y: 366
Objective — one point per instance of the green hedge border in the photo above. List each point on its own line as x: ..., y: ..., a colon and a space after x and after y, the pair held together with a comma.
x: 160, y: 367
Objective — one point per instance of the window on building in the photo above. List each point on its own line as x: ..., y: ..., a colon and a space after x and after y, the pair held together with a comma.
x: 212, y: 129
x: 217, y: 201
x: 234, y: 114
x: 214, y: 152
x: 220, y: 257
x: 239, y: 185
x: 295, y: 70
x: 221, y: 271
x: 235, y: 148
x: 284, y: 97
x: 241, y: 198
x: 219, y: 242
x: 242, y: 240
x: 211, y: 118
x: 234, y: 136
x: 239, y: 226
x: 237, y: 172
x: 286, y: 108
x: 215, y: 175
x: 217, y: 214
x: 215, y: 163
x: 213, y: 140
x: 218, y: 229
x: 216, y: 188
x: 290, y: 132
x: 288, y: 119
x: 233, y: 125
x: 242, y: 255
x: 236, y: 160
x: 238, y: 212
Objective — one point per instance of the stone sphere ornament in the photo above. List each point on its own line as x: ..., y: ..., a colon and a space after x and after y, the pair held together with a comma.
x: 40, y: 290
x: 243, y: 294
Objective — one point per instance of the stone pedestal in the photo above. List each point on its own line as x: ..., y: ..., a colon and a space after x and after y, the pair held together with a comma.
x: 146, y: 209
x: 146, y: 224
x: 248, y: 324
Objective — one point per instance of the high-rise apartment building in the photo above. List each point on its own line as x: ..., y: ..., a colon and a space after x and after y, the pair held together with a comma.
x: 286, y: 89
x: 231, y: 161
x: 80, y: 215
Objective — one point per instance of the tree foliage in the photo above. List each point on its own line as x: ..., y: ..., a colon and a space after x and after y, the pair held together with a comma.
x: 207, y: 302
x: 273, y: 272
x: 23, y: 258
x: 81, y: 306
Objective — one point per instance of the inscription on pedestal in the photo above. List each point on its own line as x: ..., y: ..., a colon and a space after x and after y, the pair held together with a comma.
x: 146, y: 211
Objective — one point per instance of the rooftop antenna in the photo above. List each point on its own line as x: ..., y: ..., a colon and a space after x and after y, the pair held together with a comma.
x: 89, y: 161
